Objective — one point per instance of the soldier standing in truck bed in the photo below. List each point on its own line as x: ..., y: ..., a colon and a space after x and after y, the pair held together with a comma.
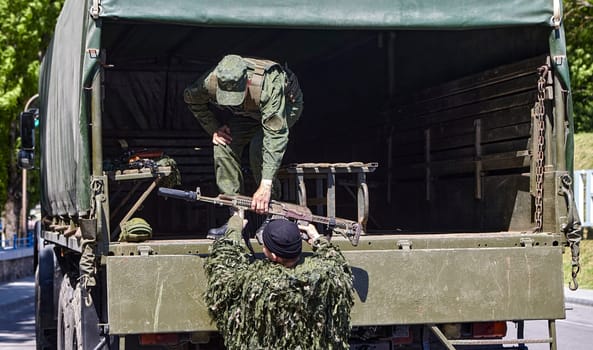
x: 265, y: 101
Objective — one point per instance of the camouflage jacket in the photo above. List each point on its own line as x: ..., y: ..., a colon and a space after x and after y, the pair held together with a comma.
x: 258, y: 304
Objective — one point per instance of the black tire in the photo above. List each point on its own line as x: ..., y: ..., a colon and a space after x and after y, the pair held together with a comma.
x: 45, y: 316
x: 69, y: 318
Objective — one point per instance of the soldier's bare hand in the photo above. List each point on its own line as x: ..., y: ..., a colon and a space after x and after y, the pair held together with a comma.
x: 311, y: 231
x: 261, y: 199
x: 222, y: 136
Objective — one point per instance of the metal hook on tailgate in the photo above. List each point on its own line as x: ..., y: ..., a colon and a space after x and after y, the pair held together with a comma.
x: 572, y: 229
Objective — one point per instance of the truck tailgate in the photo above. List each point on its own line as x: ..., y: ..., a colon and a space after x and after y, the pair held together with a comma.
x: 164, y: 293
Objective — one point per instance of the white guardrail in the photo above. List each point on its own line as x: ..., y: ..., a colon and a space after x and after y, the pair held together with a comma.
x: 583, y: 195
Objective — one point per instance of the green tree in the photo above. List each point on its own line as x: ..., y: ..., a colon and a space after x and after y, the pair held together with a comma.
x: 578, y: 21
x: 25, y: 29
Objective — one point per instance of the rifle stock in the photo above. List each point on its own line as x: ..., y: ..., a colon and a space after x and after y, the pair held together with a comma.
x: 351, y: 230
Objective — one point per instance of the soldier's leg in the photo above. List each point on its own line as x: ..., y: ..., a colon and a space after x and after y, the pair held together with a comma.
x: 227, y: 164
x: 227, y: 158
x: 228, y: 178
x: 227, y: 169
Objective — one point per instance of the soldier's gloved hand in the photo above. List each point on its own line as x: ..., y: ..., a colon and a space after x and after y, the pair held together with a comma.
x: 222, y: 136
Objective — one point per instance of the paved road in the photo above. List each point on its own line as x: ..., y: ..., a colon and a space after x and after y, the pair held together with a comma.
x: 17, y: 322
x: 574, y: 333
x: 17, y: 315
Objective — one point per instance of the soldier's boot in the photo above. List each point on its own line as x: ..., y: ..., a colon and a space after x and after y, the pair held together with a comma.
x: 217, y: 232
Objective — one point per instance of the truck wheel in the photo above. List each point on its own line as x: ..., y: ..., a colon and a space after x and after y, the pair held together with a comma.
x: 45, y: 316
x: 69, y: 325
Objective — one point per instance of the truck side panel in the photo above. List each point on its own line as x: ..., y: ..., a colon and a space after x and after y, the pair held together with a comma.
x: 148, y: 294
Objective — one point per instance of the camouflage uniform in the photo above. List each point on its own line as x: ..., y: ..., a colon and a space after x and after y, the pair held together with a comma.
x: 266, y: 127
x: 264, y: 305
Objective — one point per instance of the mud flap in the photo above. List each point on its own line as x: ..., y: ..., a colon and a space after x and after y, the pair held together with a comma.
x: 91, y: 331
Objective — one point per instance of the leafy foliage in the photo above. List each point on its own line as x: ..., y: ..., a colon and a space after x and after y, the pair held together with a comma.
x: 25, y: 30
x: 578, y: 21
x: 583, y: 157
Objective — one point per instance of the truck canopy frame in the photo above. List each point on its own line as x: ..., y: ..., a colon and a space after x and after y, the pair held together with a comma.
x: 84, y: 29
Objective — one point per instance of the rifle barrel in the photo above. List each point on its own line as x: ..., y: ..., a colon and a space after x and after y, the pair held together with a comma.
x: 179, y: 194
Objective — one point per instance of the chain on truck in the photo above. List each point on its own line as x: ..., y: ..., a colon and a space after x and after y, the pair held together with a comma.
x: 440, y: 132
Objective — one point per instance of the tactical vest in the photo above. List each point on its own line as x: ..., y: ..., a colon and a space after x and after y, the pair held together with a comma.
x: 256, y: 68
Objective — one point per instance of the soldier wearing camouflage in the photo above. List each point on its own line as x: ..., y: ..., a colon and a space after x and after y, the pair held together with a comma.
x: 265, y: 100
x: 291, y: 303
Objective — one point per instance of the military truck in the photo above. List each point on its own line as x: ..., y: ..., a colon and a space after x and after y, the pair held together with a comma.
x: 443, y: 127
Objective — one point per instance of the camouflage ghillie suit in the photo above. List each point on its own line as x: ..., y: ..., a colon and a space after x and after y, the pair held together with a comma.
x: 263, y: 305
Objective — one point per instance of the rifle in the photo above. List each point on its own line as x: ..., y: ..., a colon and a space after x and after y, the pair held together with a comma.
x: 351, y: 230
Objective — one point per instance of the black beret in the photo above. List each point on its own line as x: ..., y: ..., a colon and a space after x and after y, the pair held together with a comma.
x: 283, y: 238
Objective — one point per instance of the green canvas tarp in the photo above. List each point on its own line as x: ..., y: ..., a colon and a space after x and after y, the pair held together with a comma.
x: 64, y: 162
x: 379, y: 14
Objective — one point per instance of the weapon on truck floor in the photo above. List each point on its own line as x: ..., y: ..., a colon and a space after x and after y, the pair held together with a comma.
x: 351, y: 230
